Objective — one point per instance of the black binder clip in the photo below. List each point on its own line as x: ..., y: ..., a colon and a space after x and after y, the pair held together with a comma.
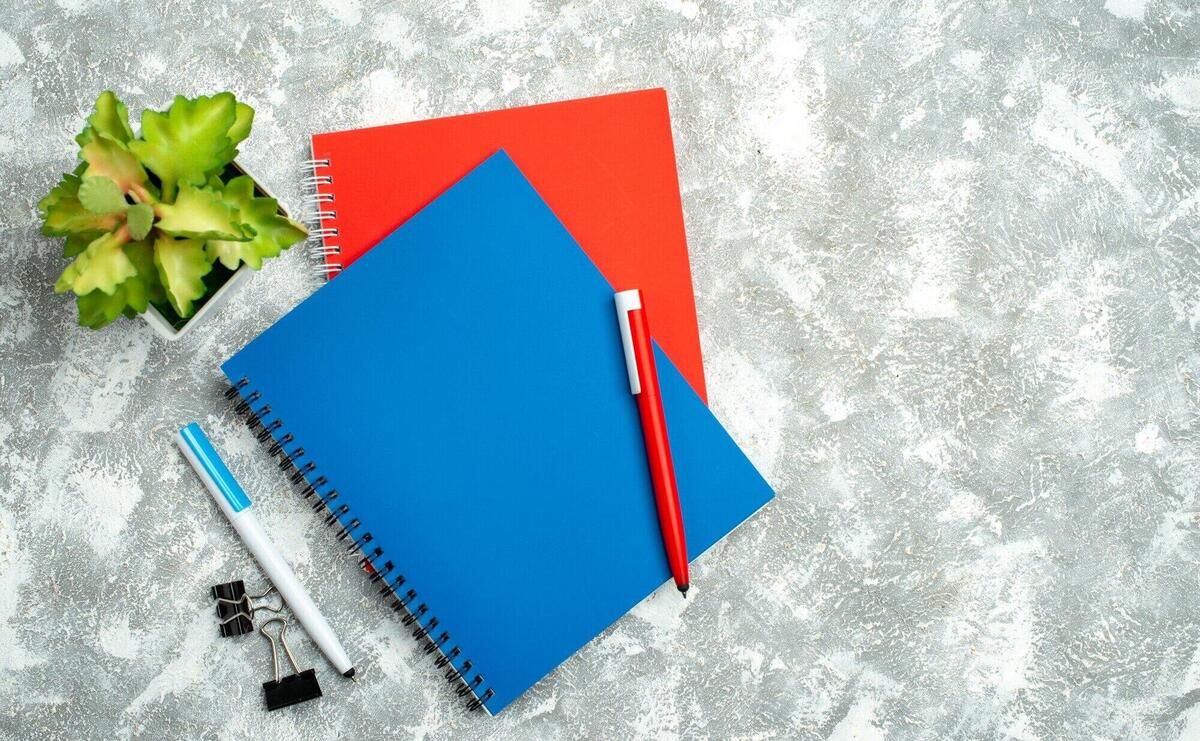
x: 300, y: 686
x: 235, y: 611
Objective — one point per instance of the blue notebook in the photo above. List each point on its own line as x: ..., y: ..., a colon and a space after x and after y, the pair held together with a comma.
x: 488, y: 457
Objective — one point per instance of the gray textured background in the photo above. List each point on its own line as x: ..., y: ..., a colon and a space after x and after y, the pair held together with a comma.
x: 945, y: 257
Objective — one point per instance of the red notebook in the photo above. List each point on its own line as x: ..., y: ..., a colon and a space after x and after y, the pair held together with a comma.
x: 605, y: 165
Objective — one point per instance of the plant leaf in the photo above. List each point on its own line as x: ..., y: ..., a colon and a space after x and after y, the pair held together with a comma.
x: 110, y: 118
x: 181, y: 268
x: 97, y: 308
x: 139, y: 219
x: 272, y: 233
x: 141, y: 254
x: 102, y: 266
x: 63, y: 214
x: 201, y: 213
x: 132, y: 296
x: 101, y: 195
x: 188, y: 141
x: 109, y: 158
x: 145, y: 286
x: 243, y: 118
x: 78, y: 242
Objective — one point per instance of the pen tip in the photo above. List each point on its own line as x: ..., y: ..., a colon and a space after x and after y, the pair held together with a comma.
x: 683, y: 590
x: 349, y: 673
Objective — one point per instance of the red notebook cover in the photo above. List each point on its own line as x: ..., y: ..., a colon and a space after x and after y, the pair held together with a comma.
x: 605, y: 165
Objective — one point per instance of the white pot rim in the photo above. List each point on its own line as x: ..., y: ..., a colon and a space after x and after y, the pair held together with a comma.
x: 164, y: 329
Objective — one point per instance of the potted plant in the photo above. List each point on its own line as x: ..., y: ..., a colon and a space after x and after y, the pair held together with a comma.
x: 164, y: 224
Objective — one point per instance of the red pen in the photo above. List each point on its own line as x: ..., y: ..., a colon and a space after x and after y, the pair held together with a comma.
x: 643, y: 382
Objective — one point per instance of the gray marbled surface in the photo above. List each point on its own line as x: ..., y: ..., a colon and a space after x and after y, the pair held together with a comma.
x: 945, y: 257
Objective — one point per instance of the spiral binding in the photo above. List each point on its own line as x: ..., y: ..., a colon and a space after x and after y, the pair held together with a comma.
x: 305, y: 473
x: 319, y: 212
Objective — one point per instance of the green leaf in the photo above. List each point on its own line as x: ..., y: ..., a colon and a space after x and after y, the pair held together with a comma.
x: 110, y: 119
x: 65, y: 190
x: 188, y: 141
x: 272, y: 233
x: 132, y: 296
x: 78, y: 242
x: 97, y: 308
x: 139, y: 219
x: 201, y: 213
x: 141, y: 254
x: 101, y: 195
x: 63, y: 214
x: 102, y: 266
x: 145, y: 286
x: 243, y: 118
x: 181, y: 267
x: 109, y: 158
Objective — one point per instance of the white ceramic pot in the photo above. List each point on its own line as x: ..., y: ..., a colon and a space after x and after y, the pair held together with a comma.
x: 170, y: 333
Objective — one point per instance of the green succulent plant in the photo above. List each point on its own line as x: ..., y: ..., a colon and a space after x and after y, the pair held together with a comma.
x: 146, y: 218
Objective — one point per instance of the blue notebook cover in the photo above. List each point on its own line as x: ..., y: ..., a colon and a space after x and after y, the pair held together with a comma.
x: 489, y: 442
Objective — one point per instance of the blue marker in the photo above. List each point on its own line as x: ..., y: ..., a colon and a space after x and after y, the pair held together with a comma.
x: 236, y: 506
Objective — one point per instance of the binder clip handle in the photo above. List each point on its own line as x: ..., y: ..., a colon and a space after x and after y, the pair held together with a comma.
x: 300, y: 686
x: 235, y: 609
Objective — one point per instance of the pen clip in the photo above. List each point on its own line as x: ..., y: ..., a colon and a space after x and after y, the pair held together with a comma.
x: 628, y: 301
